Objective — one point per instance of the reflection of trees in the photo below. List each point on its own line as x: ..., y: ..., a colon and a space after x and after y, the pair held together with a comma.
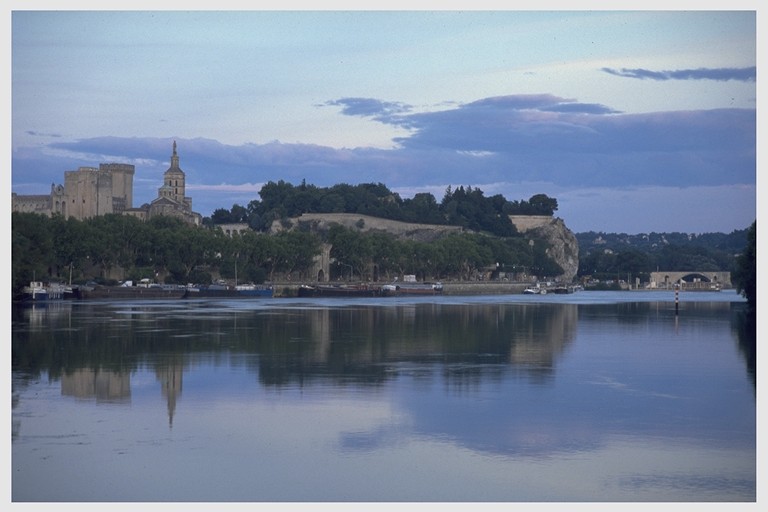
x: 360, y: 344
x: 744, y: 323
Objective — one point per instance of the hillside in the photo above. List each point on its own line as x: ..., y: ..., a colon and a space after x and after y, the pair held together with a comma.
x: 365, y: 223
x: 732, y: 243
x: 561, y: 244
x: 606, y: 255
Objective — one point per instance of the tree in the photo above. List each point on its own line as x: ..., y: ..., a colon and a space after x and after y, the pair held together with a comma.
x: 221, y: 216
x: 422, y: 208
x: 745, y: 274
x: 238, y: 213
x: 351, y: 249
x: 295, y: 251
x: 31, y: 247
x: 541, y: 204
x: 463, y: 255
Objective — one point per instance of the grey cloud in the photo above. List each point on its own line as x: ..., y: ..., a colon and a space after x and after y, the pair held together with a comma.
x: 748, y: 74
x: 522, y: 138
x: 581, y: 108
x: 383, y: 111
x: 41, y: 134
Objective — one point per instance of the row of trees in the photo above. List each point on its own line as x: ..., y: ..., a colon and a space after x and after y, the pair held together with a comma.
x: 621, y: 255
x: 602, y: 264
x: 68, y: 249
x: 468, y: 207
x: 603, y: 255
x: 745, y: 272
x: 171, y: 251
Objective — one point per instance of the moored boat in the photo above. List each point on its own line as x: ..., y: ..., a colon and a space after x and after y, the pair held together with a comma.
x: 535, y: 290
x: 254, y: 290
x: 362, y: 290
x: 37, y: 291
x: 219, y: 290
x: 34, y: 292
x: 209, y: 290
x: 410, y: 288
x: 97, y: 292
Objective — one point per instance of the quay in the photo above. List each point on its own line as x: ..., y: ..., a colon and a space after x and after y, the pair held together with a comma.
x: 291, y: 289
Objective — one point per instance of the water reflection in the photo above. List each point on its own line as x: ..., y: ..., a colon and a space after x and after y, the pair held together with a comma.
x: 345, y: 345
x: 744, y: 323
x: 614, y: 395
x: 102, y: 385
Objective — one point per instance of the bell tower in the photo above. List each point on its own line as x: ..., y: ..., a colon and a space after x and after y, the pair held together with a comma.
x: 173, y: 180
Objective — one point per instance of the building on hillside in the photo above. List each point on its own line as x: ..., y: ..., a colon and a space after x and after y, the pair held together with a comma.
x: 234, y: 228
x: 87, y: 192
x: 171, y: 198
x: 90, y: 192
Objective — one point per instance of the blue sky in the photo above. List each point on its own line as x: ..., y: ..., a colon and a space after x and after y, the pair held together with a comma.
x: 636, y: 121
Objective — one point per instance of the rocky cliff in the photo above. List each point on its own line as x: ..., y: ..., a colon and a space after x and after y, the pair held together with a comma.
x: 403, y: 230
x: 563, y: 245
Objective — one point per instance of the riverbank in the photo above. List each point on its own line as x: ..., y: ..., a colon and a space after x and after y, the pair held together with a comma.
x: 291, y: 289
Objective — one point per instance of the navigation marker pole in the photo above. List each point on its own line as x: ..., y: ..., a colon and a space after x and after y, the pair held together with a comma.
x: 677, y: 299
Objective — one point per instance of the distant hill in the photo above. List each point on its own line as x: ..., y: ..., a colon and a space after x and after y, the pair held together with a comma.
x: 732, y: 243
x: 610, y: 254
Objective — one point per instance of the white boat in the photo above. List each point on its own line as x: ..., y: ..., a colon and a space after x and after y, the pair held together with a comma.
x: 38, y: 292
x: 411, y: 288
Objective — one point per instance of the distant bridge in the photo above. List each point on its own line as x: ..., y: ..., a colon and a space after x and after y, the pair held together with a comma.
x: 692, y: 279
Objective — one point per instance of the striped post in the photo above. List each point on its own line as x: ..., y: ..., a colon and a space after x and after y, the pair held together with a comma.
x: 677, y: 299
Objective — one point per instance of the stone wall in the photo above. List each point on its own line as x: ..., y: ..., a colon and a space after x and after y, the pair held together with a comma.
x: 563, y: 246
x: 525, y: 223
x: 406, y: 230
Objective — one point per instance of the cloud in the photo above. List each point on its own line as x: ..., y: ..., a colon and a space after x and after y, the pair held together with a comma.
x: 509, y: 141
x: 250, y: 188
x: 383, y: 111
x: 748, y: 74
x: 41, y: 134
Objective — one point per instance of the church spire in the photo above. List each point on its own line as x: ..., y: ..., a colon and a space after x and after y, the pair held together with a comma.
x: 174, y: 158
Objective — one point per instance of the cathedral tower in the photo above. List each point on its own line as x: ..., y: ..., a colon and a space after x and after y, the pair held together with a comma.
x: 173, y: 180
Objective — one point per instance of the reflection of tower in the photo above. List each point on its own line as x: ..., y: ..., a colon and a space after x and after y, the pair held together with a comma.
x: 103, y: 385
x: 320, y: 325
x: 170, y: 383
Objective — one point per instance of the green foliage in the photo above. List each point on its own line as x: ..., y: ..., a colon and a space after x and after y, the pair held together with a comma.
x: 468, y: 207
x: 32, y: 254
x: 745, y: 272
x: 164, y: 248
x: 606, y: 255
x: 380, y: 256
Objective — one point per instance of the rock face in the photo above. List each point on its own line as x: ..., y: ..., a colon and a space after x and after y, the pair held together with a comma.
x: 403, y: 230
x: 564, y: 247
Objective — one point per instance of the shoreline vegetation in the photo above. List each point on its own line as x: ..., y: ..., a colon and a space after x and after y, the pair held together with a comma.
x: 285, y: 289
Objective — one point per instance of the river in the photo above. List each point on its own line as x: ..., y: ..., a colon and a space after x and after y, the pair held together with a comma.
x: 586, y: 397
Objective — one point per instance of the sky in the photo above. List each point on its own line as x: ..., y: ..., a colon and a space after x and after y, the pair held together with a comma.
x: 636, y: 121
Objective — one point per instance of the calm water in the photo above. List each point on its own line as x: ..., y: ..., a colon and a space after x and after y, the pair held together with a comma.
x: 595, y: 396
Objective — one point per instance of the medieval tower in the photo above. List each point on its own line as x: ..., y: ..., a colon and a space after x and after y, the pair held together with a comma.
x: 173, y: 182
x: 91, y: 191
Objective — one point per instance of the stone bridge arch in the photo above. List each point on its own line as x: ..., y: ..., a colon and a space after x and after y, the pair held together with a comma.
x: 690, y: 279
